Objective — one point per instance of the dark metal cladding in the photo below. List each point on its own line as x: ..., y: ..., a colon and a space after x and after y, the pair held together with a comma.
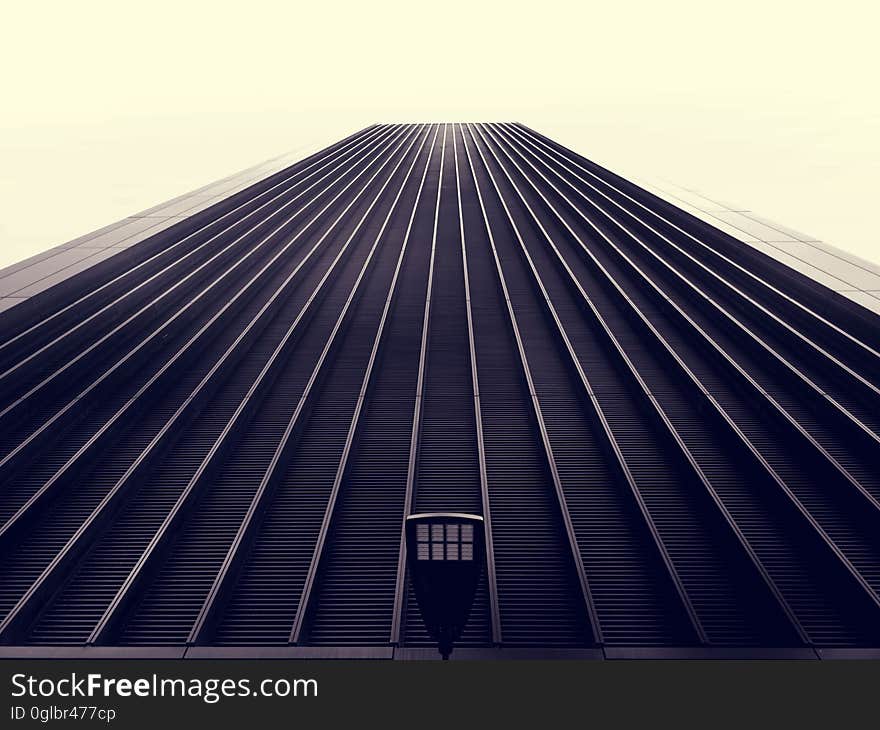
x: 210, y: 440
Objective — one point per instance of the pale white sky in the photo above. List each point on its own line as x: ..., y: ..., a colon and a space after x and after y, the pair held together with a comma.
x: 109, y: 107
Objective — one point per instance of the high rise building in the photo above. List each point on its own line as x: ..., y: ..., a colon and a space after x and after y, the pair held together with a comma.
x: 216, y: 415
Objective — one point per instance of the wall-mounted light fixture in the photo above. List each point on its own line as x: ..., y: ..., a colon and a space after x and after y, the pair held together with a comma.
x: 445, y: 552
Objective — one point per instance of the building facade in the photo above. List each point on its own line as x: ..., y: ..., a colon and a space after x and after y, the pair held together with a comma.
x: 216, y: 415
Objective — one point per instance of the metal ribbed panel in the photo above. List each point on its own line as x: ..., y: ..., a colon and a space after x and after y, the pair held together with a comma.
x: 115, y: 554
x: 673, y: 440
x: 355, y: 598
x: 49, y: 532
x: 263, y: 607
x: 764, y: 353
x: 189, y: 571
x: 819, y: 615
x: 536, y: 581
x: 447, y: 475
x: 797, y: 299
x: 187, y: 298
x: 142, y: 269
x: 726, y: 605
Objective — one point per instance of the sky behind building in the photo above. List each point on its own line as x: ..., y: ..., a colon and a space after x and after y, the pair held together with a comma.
x: 108, y: 111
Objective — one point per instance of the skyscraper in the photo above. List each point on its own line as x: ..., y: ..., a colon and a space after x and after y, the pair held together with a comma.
x: 217, y: 414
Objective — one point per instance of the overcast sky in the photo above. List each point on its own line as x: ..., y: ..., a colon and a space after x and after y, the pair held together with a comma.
x: 110, y: 107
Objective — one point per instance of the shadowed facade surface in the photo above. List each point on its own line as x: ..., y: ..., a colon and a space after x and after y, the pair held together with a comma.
x: 210, y: 439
